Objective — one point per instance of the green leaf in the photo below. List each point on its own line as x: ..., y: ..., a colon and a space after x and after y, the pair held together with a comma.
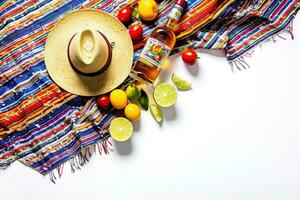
x: 135, y: 14
x: 144, y: 101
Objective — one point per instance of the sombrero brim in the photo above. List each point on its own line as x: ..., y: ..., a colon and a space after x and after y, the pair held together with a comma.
x: 56, y: 53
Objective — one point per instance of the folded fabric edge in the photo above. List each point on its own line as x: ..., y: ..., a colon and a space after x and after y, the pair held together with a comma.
x: 238, y: 62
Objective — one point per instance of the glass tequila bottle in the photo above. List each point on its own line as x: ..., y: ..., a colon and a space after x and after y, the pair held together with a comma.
x: 157, y: 48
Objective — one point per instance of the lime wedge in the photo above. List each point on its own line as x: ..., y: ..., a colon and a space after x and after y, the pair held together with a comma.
x: 156, y: 112
x: 180, y: 83
x: 165, y: 95
x: 120, y: 129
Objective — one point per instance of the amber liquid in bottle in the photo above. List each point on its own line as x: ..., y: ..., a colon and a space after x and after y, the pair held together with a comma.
x: 145, y: 70
x: 157, y: 48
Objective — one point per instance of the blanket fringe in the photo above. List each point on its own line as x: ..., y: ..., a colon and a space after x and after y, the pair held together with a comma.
x: 52, y: 177
x: 240, y: 63
x: 82, y: 158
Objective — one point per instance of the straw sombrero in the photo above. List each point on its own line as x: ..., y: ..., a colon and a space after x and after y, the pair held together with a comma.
x: 88, y: 53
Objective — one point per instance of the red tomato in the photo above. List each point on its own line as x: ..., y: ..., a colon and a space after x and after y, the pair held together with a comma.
x: 158, y: 57
x: 136, y: 32
x: 124, y: 14
x: 189, y: 56
x: 103, y: 101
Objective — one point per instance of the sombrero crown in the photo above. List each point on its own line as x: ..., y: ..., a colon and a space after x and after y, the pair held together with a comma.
x: 88, y: 53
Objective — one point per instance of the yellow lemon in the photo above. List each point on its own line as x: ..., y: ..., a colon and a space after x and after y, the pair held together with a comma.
x: 132, y: 112
x: 148, y: 9
x: 118, y: 99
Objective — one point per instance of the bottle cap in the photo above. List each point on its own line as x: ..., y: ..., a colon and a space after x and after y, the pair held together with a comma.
x: 182, y: 3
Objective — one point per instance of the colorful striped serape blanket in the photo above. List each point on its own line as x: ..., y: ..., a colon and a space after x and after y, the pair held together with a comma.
x: 43, y: 126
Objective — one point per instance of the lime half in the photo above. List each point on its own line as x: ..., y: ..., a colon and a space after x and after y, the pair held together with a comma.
x: 120, y: 129
x: 165, y: 95
x: 180, y: 83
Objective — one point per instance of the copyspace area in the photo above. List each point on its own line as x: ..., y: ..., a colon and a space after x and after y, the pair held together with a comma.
x: 235, y: 135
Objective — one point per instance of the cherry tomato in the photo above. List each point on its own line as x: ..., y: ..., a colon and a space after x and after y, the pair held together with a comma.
x: 124, y: 14
x: 189, y: 56
x: 158, y: 57
x: 103, y: 101
x: 136, y: 32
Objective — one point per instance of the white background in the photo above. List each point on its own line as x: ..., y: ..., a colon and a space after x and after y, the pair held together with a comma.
x: 234, y: 136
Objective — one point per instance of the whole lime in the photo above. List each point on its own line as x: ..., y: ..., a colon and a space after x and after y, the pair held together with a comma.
x: 132, y: 92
